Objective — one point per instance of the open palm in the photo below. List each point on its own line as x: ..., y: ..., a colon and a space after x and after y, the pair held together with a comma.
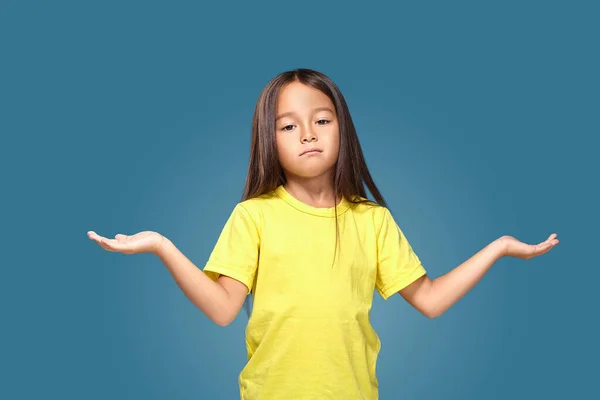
x: 142, y: 242
x: 515, y: 248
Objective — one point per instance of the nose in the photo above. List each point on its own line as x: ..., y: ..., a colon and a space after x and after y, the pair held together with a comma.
x: 308, y: 136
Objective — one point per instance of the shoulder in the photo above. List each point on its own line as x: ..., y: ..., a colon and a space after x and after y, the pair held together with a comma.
x: 257, y: 207
x: 370, y: 211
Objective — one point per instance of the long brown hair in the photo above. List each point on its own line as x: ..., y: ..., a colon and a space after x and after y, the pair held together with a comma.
x: 264, y: 170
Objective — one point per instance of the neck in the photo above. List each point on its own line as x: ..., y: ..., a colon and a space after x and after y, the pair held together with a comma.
x: 316, y: 192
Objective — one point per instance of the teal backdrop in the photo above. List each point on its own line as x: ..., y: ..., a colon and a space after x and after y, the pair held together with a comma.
x: 476, y: 119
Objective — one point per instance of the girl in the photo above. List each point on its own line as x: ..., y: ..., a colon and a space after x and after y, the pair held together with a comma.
x: 312, y: 249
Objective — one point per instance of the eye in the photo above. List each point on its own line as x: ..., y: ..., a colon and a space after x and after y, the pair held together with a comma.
x: 322, y: 122
x: 285, y: 128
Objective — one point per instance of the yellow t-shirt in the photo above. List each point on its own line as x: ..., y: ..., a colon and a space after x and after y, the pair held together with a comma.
x: 309, y: 334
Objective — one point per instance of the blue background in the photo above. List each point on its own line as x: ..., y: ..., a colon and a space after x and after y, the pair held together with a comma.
x: 476, y: 121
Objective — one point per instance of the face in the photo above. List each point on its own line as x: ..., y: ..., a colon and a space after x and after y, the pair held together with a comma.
x: 306, y: 120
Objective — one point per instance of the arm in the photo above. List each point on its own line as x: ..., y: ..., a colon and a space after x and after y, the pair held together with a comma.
x: 434, y: 297
x: 221, y: 301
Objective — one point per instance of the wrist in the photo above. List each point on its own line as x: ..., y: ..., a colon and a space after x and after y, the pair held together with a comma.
x: 500, y: 247
x: 161, y: 246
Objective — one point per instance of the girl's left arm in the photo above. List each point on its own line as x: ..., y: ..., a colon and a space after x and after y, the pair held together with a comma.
x: 434, y: 297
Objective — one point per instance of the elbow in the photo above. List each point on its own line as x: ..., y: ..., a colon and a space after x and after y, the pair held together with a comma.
x: 222, y: 319
x: 222, y: 313
x: 432, y: 312
x: 222, y: 322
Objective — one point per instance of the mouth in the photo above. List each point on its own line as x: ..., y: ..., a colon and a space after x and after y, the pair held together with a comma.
x: 311, y: 151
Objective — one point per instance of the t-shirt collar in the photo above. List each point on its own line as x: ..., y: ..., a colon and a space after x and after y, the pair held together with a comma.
x: 318, y: 211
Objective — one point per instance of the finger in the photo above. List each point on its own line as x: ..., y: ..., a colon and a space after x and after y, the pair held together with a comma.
x: 112, y: 244
x: 103, y: 245
x: 552, y: 240
x: 97, y: 238
x: 542, y: 245
x: 542, y: 248
x: 102, y: 242
x: 92, y: 235
x: 106, y: 247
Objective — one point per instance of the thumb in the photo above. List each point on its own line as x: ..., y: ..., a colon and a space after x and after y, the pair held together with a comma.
x: 120, y: 236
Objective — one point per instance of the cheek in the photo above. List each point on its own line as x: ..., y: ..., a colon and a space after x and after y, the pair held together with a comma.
x: 335, y: 153
x: 283, y: 150
x: 334, y: 142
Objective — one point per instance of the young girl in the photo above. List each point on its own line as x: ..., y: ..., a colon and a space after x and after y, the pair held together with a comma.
x: 312, y: 249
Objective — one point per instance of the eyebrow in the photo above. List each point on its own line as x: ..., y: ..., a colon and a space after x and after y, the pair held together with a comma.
x: 315, y: 110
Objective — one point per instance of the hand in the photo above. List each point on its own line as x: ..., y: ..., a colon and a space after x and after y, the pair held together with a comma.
x: 514, y: 248
x: 143, y: 242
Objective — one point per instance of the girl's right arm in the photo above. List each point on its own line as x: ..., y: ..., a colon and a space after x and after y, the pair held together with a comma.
x: 221, y: 301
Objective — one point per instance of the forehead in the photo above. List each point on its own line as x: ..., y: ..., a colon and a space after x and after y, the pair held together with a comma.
x: 298, y: 97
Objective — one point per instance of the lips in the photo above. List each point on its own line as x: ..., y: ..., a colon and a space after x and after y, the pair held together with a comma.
x: 313, y: 150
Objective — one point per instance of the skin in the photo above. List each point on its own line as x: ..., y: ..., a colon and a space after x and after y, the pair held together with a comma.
x: 303, y: 122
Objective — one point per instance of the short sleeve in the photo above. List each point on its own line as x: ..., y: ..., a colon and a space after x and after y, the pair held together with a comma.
x: 236, y: 251
x: 397, y: 264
